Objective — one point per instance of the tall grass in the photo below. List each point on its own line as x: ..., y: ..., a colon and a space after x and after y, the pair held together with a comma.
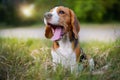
x: 31, y: 60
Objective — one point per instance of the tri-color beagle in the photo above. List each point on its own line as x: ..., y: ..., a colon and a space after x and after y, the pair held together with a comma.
x: 62, y: 27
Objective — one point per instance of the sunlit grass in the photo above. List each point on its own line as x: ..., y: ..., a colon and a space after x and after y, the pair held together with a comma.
x: 31, y: 60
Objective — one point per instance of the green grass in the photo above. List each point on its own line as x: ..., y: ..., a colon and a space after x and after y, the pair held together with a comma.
x: 31, y: 60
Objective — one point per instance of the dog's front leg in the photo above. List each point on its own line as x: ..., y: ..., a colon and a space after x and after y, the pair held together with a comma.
x: 91, y: 64
x: 55, y: 59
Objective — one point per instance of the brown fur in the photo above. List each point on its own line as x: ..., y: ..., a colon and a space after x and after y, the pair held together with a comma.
x: 48, y: 32
x: 55, y: 45
x: 71, y: 26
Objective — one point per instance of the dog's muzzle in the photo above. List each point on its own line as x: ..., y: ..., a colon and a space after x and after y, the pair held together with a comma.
x: 47, y: 15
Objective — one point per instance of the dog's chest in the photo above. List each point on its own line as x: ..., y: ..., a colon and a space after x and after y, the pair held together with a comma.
x: 65, y: 49
x: 64, y: 54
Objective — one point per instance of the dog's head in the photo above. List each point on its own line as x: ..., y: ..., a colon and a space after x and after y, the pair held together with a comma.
x: 59, y: 21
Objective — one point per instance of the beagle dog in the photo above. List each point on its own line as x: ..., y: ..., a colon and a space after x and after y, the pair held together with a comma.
x: 62, y: 27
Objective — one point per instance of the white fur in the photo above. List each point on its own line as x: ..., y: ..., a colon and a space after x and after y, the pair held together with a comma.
x: 65, y: 54
x: 45, y: 21
x: 91, y: 64
x: 55, y: 17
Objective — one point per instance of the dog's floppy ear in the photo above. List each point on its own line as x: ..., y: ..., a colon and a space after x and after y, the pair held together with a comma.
x: 75, y: 24
x: 48, y: 32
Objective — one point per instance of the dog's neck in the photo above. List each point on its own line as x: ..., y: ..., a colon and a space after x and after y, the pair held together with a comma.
x: 65, y: 41
x: 68, y: 41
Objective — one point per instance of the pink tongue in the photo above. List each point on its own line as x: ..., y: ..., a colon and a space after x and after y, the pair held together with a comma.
x: 56, y: 34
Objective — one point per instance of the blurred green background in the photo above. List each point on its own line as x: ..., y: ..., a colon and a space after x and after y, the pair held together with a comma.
x: 27, y: 12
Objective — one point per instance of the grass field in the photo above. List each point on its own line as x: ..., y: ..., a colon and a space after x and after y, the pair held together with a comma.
x: 31, y: 60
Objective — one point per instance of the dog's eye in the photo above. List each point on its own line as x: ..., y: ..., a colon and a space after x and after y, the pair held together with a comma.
x: 61, y: 12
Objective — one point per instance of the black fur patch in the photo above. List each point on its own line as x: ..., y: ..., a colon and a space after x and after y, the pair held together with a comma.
x: 82, y: 56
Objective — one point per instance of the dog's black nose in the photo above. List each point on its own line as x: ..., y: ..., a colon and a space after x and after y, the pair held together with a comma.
x: 47, y: 15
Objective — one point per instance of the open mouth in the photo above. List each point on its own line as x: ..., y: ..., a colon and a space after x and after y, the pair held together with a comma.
x: 58, y: 32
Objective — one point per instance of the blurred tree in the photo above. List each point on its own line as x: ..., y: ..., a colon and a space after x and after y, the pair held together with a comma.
x: 89, y: 10
x: 97, y: 10
x: 86, y: 10
x: 8, y: 12
x: 112, y: 10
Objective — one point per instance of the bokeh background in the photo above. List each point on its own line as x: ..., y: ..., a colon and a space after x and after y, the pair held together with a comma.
x: 25, y: 53
x: 27, y: 12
